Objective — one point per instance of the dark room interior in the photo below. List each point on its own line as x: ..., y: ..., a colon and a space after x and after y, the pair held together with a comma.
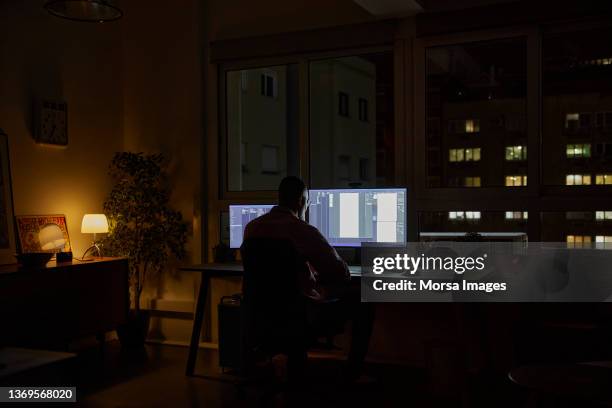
x: 306, y: 203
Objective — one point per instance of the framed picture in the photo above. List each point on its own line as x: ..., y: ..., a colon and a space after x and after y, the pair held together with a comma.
x: 7, y: 226
x: 43, y: 233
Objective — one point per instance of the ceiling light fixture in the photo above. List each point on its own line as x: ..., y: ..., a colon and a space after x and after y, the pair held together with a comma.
x: 95, y: 11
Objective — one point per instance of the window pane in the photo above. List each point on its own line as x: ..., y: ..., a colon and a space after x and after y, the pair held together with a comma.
x: 575, y: 227
x: 576, y: 90
x: 492, y: 225
x: 351, y: 122
x: 262, y: 127
x: 476, y: 100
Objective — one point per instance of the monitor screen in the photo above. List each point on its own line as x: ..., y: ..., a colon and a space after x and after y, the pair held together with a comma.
x: 348, y: 217
x: 240, y: 216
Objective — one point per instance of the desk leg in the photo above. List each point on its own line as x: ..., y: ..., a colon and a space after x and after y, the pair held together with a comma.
x: 197, y: 325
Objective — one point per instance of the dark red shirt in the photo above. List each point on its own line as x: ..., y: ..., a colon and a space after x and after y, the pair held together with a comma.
x: 325, y: 265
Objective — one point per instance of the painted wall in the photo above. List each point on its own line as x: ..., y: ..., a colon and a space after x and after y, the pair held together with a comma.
x: 46, y: 57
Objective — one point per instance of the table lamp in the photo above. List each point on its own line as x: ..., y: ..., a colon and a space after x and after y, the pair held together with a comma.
x: 94, y: 224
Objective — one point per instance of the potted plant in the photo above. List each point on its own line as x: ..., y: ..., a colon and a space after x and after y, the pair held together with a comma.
x: 143, y: 228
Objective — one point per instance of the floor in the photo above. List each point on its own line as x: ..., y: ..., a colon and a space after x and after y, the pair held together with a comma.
x: 154, y: 377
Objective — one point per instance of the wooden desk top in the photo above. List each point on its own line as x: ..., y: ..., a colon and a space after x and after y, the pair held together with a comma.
x: 15, y: 268
x: 236, y: 269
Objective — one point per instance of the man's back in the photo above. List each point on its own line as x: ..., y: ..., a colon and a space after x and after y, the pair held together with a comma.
x: 326, y: 267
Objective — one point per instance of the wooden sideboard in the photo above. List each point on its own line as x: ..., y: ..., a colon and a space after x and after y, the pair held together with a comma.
x: 51, y: 305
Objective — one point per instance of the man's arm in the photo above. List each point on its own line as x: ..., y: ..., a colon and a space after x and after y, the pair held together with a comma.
x: 322, y: 257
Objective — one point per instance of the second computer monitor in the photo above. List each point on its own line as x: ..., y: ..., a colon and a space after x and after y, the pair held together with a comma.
x: 349, y: 217
x: 240, y: 216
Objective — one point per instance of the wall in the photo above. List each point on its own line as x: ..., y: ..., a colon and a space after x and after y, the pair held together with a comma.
x: 163, y: 113
x: 47, y: 57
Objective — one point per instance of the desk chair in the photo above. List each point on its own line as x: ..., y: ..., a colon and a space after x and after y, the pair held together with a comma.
x: 275, y: 313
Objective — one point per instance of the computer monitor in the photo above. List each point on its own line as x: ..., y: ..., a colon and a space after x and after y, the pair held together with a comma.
x: 348, y: 217
x: 240, y: 216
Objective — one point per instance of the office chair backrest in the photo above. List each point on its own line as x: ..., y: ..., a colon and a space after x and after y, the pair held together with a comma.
x: 273, y: 305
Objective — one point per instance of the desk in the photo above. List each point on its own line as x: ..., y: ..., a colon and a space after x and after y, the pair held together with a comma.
x: 53, y: 304
x: 217, y: 270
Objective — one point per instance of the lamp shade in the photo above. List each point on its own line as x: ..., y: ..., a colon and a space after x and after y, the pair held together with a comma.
x: 94, y: 224
x: 51, y: 237
x: 84, y: 10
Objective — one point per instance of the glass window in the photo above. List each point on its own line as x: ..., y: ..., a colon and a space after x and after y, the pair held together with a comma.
x: 492, y: 225
x: 352, y: 140
x: 516, y: 215
x: 262, y: 127
x: 578, y: 180
x: 514, y: 153
x: 603, y: 215
x: 576, y: 102
x: 516, y: 180
x: 476, y: 95
x: 603, y: 179
x: 575, y: 226
x: 471, y: 182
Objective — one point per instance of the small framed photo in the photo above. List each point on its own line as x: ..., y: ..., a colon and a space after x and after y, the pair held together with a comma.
x: 43, y: 233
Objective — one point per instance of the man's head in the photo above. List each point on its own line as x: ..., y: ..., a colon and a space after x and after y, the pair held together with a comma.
x: 293, y: 194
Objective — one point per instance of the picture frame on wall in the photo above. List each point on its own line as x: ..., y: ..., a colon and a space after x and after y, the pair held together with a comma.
x: 8, y: 244
x: 52, y: 229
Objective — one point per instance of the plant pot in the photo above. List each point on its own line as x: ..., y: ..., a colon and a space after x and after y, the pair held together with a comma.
x: 133, y: 333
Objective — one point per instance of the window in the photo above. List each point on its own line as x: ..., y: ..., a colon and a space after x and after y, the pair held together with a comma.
x: 578, y: 215
x: 269, y: 160
x: 363, y: 110
x: 516, y: 181
x: 261, y: 127
x: 578, y: 241
x: 516, y: 215
x: 602, y: 179
x: 575, y: 104
x: 578, y: 150
x: 471, y: 182
x: 578, y: 180
x: 464, y: 126
x: 464, y: 154
x: 364, y: 169
x: 359, y: 152
x: 464, y: 215
x: 268, y: 85
x: 343, y: 104
x: 603, y: 215
x: 475, y: 92
x: 601, y: 239
x: 344, y: 167
x: 514, y: 153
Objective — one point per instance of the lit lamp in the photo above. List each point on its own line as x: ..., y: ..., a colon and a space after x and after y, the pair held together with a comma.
x: 94, y: 224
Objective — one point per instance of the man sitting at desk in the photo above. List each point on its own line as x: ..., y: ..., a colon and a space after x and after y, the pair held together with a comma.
x: 328, y: 275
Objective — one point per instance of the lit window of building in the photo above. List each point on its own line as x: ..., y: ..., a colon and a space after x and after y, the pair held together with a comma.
x: 578, y: 150
x: 516, y: 181
x: 575, y: 121
x: 577, y: 241
x: 602, y: 179
x: 471, y: 182
x: 516, y: 215
x: 578, y: 180
x: 603, y: 239
x: 463, y: 215
x: 464, y: 126
x: 603, y: 215
x: 514, y: 153
x: 464, y: 154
